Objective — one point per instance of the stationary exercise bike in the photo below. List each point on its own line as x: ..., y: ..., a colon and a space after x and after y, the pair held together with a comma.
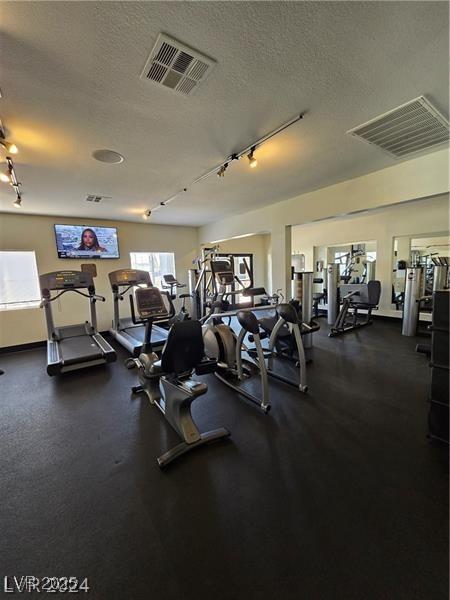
x: 172, y: 285
x: 167, y: 381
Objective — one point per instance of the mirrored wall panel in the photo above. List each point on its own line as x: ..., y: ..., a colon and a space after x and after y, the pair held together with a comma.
x: 356, y: 260
x: 431, y: 253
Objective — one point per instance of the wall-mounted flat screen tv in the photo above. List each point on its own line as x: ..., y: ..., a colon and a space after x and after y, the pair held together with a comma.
x: 84, y: 241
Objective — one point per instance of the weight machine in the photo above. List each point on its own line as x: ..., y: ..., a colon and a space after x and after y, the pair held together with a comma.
x: 213, y: 280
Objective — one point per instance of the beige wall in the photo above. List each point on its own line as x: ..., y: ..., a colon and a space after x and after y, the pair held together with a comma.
x: 421, y: 177
x: 21, y: 232
x: 418, y: 218
x: 256, y: 245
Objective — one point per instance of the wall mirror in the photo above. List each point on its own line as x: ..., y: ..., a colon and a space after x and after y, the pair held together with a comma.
x: 424, y: 251
x: 356, y: 260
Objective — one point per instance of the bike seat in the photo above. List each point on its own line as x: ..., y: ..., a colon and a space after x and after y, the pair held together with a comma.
x: 287, y: 312
x: 248, y: 321
x: 184, y: 296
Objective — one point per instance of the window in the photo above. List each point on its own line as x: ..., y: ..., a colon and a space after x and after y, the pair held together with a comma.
x: 19, y: 281
x: 156, y: 263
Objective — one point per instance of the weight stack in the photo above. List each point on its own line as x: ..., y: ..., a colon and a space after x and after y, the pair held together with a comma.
x: 438, y: 415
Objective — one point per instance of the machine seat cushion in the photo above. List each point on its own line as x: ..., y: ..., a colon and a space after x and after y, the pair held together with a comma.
x: 248, y: 321
x: 374, y: 288
x: 268, y: 323
x: 287, y: 312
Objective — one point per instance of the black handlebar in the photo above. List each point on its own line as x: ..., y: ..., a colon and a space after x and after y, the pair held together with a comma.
x: 46, y: 294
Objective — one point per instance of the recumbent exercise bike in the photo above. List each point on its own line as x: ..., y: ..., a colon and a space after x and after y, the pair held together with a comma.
x: 168, y: 381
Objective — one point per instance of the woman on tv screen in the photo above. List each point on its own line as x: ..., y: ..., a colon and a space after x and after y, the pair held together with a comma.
x: 89, y: 241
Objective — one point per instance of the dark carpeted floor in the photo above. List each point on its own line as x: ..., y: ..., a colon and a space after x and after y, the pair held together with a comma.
x: 333, y: 495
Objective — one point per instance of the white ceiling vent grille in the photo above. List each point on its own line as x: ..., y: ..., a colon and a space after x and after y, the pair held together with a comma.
x: 96, y: 199
x: 411, y: 127
x: 176, y: 66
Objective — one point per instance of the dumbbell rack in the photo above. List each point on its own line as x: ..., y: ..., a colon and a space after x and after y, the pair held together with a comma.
x: 438, y: 416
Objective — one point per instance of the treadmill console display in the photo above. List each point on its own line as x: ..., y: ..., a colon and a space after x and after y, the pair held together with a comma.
x: 60, y: 280
x: 127, y: 277
x: 150, y: 303
x: 66, y: 278
x: 124, y: 277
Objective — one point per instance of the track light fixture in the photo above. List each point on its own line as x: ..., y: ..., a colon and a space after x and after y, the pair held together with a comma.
x: 8, y: 146
x: 10, y: 175
x: 220, y: 169
x: 146, y: 214
x: 251, y: 159
x: 11, y: 178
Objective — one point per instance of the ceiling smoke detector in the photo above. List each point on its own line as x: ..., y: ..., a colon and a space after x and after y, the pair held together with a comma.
x: 176, y: 66
x: 412, y: 127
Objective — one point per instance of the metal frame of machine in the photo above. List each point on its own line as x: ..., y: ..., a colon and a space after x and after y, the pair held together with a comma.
x: 168, y: 382
x: 127, y: 333
x: 73, y: 347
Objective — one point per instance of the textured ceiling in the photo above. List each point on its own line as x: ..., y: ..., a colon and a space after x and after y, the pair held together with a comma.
x: 70, y: 83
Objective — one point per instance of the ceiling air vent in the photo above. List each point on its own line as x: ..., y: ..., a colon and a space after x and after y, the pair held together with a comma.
x: 176, y: 66
x: 95, y: 198
x: 409, y: 128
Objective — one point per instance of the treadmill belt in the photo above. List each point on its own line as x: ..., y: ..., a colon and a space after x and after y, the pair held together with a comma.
x: 159, y: 336
x: 79, y: 349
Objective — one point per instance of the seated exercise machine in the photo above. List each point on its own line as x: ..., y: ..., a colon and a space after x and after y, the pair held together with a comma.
x: 168, y: 381
x: 355, y: 297
x: 222, y: 344
x: 284, y: 330
x: 283, y: 325
x: 172, y: 284
x: 213, y: 279
x: 286, y: 340
x: 281, y: 329
x: 131, y: 335
x: 73, y: 346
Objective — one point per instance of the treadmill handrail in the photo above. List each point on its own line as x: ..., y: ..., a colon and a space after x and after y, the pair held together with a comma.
x: 49, y: 298
x: 121, y: 294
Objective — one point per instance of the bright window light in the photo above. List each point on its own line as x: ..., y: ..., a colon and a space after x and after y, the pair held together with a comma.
x: 156, y: 263
x: 19, y: 281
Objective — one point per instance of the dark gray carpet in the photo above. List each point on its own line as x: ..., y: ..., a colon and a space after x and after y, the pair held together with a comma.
x: 338, y: 494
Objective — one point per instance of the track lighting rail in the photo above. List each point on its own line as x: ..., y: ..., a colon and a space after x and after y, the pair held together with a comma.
x: 220, y: 170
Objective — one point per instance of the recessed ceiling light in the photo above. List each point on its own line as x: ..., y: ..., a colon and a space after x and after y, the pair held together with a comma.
x: 108, y: 156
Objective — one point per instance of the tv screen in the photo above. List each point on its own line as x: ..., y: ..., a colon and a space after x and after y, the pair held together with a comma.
x: 83, y: 241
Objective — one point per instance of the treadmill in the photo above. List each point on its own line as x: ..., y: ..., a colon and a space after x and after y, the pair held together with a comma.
x: 73, y: 347
x: 131, y: 335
